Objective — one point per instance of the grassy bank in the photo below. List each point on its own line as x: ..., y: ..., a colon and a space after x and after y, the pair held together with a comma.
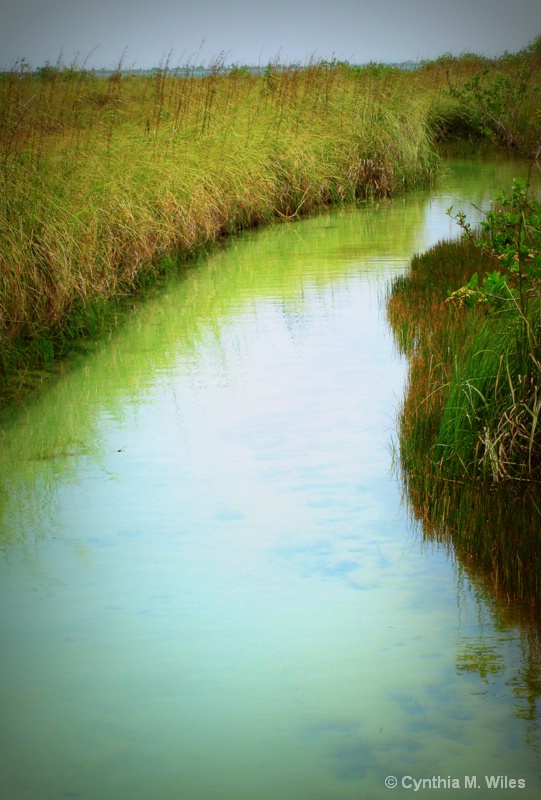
x: 470, y: 439
x: 108, y: 181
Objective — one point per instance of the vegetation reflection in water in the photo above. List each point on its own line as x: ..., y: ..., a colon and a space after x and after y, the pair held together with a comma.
x: 208, y: 585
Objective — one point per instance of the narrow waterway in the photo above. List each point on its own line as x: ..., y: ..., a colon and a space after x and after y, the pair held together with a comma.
x: 209, y: 586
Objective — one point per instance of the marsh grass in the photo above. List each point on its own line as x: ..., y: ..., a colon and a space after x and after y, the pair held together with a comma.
x: 103, y: 178
x: 470, y: 442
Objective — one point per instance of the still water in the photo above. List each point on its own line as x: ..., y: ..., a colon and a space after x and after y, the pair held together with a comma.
x: 209, y: 586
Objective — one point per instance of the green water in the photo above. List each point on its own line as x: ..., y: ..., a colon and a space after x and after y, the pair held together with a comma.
x: 209, y: 587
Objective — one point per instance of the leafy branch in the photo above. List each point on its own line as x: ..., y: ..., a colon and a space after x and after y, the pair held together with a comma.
x: 511, y: 234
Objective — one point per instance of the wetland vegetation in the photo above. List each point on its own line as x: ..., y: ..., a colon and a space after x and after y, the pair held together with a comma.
x: 105, y: 182
x: 108, y: 181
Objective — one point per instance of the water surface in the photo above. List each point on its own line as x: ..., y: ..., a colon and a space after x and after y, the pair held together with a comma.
x: 209, y: 588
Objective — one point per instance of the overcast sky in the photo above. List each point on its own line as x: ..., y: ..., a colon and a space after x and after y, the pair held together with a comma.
x: 254, y: 32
